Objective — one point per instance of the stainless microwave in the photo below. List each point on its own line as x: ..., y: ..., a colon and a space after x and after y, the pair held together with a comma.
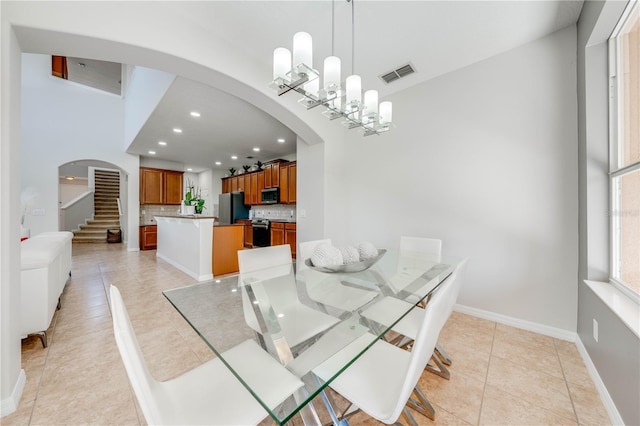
x: 270, y: 196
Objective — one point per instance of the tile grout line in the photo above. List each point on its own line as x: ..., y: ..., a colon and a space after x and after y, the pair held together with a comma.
x: 486, y: 377
x: 566, y: 383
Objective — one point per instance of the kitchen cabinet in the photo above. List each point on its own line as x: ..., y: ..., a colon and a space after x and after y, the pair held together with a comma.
x: 290, y: 237
x: 148, y: 237
x: 259, y: 186
x: 248, y: 232
x: 272, y: 175
x: 172, y: 187
x: 277, y: 233
x: 247, y: 189
x: 254, y: 197
x: 284, y: 233
x: 151, y: 188
x: 159, y: 186
x: 253, y: 183
x: 233, y: 187
x: 288, y: 185
x: 241, y: 183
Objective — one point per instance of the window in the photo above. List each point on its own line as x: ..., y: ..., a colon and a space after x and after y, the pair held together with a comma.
x: 624, y: 48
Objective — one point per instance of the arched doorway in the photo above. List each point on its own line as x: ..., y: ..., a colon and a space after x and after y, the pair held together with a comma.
x: 92, y: 198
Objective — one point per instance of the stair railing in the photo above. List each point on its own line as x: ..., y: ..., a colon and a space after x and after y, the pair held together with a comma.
x: 77, y: 211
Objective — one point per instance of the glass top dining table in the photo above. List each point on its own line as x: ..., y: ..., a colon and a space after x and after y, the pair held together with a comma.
x: 302, y: 319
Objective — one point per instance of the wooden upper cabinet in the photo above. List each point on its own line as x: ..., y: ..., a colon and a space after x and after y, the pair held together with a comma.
x: 172, y: 187
x: 234, y: 184
x: 293, y: 187
x: 225, y: 185
x: 284, y: 184
x: 275, y: 175
x: 151, y: 186
x: 160, y: 186
x: 255, y: 196
x: 259, y: 186
x: 241, y: 183
x: 267, y: 175
x: 247, y: 188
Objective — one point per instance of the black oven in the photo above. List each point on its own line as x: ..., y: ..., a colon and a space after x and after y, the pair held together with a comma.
x: 261, y: 233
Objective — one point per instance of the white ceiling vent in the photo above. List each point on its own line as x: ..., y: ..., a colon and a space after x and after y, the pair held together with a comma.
x: 398, y: 73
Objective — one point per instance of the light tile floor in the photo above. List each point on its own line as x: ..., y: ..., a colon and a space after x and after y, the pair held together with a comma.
x: 500, y: 375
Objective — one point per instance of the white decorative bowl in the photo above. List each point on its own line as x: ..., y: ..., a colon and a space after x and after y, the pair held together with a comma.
x: 350, y: 267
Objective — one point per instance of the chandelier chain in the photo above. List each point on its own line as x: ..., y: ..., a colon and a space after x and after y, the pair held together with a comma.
x: 353, y: 37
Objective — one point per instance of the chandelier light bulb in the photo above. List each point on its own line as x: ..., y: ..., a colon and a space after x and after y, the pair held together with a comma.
x: 331, y: 73
x: 371, y: 102
x: 353, y: 89
x: 302, y: 49
x: 386, y: 113
x: 281, y: 62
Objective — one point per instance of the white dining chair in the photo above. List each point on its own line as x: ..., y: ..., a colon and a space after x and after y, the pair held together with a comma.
x: 390, y: 308
x: 208, y: 394
x: 269, y: 271
x: 327, y: 289
x: 383, y: 381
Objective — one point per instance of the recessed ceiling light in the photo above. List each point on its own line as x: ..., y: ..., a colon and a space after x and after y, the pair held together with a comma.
x: 256, y: 149
x: 175, y: 129
x: 189, y: 169
x: 161, y: 143
x: 195, y: 114
x: 281, y: 140
x: 218, y: 163
x: 234, y: 157
x: 152, y: 152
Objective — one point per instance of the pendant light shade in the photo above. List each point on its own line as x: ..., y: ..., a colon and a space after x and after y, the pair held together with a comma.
x: 331, y: 73
x: 386, y: 113
x: 302, y: 49
x: 353, y: 89
x: 281, y: 62
x: 371, y: 102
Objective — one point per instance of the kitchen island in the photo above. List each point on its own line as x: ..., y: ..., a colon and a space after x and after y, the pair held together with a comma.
x: 198, y: 245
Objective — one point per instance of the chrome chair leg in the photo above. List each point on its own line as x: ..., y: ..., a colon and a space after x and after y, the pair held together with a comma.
x: 439, y: 369
x: 443, y: 355
x: 421, y: 404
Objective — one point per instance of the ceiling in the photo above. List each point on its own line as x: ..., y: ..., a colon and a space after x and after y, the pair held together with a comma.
x: 436, y: 37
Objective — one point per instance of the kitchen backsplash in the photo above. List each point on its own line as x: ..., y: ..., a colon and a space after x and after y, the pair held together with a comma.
x: 274, y: 212
x: 148, y: 211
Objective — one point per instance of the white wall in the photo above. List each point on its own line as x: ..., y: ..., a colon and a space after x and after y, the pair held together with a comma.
x: 485, y: 159
x: 12, y: 378
x: 69, y: 191
x: 145, y: 89
x: 62, y: 122
x: 205, y: 182
x: 311, y: 192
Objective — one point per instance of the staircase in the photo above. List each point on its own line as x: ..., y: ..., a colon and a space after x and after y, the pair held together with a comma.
x: 107, y: 191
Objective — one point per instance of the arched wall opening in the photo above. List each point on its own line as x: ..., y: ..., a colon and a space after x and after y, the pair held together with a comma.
x: 76, y: 189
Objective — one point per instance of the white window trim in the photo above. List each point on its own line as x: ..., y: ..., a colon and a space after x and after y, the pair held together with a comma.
x: 615, y: 171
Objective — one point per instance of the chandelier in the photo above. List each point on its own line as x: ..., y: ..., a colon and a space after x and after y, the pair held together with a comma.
x: 296, y: 73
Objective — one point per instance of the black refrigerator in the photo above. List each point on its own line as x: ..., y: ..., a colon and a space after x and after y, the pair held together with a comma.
x: 231, y: 207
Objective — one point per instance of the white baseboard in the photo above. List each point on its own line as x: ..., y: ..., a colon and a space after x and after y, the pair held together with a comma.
x: 10, y: 404
x: 546, y: 330
x: 133, y: 248
x: 199, y: 278
x: 606, y: 399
